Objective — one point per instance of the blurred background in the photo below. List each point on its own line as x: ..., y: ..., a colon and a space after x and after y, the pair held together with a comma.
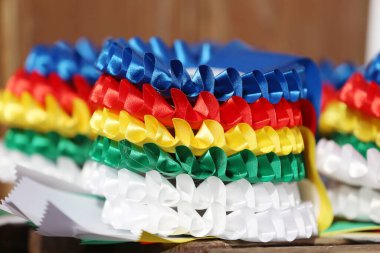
x: 334, y: 29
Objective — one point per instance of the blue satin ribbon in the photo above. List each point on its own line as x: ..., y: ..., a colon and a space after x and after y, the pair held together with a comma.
x: 267, y: 75
x: 65, y: 60
x: 336, y: 75
x: 372, y: 71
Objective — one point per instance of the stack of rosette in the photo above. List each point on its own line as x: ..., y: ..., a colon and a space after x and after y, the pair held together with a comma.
x: 45, y: 107
x: 349, y: 152
x: 206, y: 140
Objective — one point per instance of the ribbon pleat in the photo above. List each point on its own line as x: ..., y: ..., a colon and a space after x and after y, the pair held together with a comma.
x: 40, y: 86
x: 63, y: 168
x: 361, y: 204
x: 152, y: 187
x: 372, y: 71
x: 244, y: 224
x: 214, y: 162
x: 141, y: 65
x: 64, y: 59
x: 345, y: 164
x: 337, y: 117
x: 50, y: 145
x: 27, y: 113
x: 359, y: 94
x: 117, y: 96
x: 361, y: 147
x: 242, y: 136
x: 336, y: 75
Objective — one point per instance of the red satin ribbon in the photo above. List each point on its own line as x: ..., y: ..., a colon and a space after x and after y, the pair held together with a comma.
x: 39, y: 86
x: 359, y: 94
x: 329, y: 93
x: 112, y: 94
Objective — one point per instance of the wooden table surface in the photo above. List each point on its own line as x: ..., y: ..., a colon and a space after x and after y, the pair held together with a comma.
x: 22, y: 238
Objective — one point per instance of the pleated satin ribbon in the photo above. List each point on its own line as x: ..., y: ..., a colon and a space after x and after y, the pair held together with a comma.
x: 244, y: 224
x: 336, y: 75
x: 115, y: 95
x: 153, y: 187
x: 63, y: 168
x: 50, y: 145
x: 337, y: 117
x: 27, y: 113
x: 362, y: 95
x: 345, y: 164
x: 352, y: 203
x: 372, y: 71
x: 64, y: 59
x: 40, y: 86
x: 214, y: 162
x: 118, y: 58
x: 265, y: 140
x: 361, y: 147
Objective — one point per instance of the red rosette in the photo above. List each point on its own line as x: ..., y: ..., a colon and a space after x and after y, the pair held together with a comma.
x: 362, y: 95
x: 123, y: 95
x: 40, y: 86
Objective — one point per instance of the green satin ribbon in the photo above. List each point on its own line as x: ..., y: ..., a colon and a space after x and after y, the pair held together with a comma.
x: 214, y: 162
x: 362, y: 147
x: 51, y: 145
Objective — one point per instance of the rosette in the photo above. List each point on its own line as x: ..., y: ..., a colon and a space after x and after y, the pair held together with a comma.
x: 63, y: 168
x: 360, y: 146
x: 361, y: 204
x: 336, y: 75
x: 27, y: 113
x: 152, y: 187
x: 65, y: 60
x: 358, y: 94
x: 244, y: 224
x: 50, y: 145
x: 242, y: 136
x: 337, y: 117
x: 115, y: 95
x: 347, y: 165
x: 39, y: 87
x: 372, y: 71
x: 283, y: 76
x: 214, y: 162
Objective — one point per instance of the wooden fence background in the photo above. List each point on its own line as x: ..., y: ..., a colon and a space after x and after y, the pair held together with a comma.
x: 317, y: 28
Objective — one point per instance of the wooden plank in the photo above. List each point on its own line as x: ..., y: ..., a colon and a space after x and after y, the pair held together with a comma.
x: 39, y: 244
x: 367, y: 248
x: 315, y: 28
x: 318, y: 28
x: 14, y: 238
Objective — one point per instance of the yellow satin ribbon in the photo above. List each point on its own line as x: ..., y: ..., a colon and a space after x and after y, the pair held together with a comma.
x: 27, y: 113
x: 313, y: 188
x: 124, y: 126
x: 337, y: 117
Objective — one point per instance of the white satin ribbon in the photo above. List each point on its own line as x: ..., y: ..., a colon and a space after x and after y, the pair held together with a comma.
x: 361, y: 204
x: 64, y: 168
x: 117, y: 185
x: 245, y: 224
x: 345, y: 164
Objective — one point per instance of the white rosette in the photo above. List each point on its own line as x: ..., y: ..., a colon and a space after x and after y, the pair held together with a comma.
x: 345, y: 164
x: 353, y: 203
x: 259, y: 212
x: 245, y: 224
x: 64, y: 168
x: 152, y: 187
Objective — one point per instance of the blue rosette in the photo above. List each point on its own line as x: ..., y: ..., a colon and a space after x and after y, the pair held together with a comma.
x: 337, y: 75
x: 372, y: 71
x: 233, y: 69
x: 65, y: 59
